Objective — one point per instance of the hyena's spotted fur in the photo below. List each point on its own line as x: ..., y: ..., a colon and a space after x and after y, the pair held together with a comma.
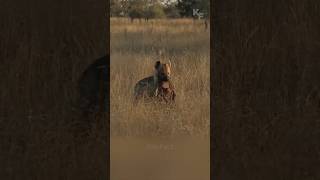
x: 158, y: 86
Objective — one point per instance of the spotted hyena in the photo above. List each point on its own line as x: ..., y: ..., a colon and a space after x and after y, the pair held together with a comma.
x: 158, y: 86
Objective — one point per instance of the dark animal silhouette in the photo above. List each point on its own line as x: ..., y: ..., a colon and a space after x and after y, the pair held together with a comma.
x: 93, y: 87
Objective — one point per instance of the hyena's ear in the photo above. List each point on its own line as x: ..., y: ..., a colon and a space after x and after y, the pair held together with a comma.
x: 157, y: 65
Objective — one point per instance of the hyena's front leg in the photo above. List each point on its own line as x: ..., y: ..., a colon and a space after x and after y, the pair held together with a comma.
x: 173, y: 95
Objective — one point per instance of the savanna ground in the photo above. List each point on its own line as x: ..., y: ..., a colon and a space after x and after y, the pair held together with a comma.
x: 158, y: 137
x: 134, y: 51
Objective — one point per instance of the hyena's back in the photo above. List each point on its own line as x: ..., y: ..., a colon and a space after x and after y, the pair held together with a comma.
x: 145, y: 88
x: 93, y: 85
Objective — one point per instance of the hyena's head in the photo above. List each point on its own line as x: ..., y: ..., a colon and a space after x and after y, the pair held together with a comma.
x: 162, y: 71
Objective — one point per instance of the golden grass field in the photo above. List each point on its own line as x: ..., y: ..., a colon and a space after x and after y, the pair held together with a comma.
x: 134, y: 48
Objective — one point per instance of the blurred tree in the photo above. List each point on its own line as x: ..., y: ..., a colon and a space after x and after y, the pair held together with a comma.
x: 115, y: 8
x: 145, y: 9
x: 136, y: 9
x: 187, y: 7
x: 171, y: 10
x: 204, y: 6
x: 154, y: 9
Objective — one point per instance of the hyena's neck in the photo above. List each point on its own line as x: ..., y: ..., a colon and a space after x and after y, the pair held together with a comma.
x: 156, y: 81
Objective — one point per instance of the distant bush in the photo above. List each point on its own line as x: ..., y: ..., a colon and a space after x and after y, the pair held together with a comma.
x: 155, y: 11
x: 136, y: 9
x: 172, y: 11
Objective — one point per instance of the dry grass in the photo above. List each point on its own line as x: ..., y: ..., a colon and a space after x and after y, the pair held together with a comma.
x: 133, y: 53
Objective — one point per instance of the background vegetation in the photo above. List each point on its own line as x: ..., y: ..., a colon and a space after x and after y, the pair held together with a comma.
x: 148, y: 9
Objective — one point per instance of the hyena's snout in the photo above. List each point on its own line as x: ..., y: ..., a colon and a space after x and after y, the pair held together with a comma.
x: 163, y: 77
